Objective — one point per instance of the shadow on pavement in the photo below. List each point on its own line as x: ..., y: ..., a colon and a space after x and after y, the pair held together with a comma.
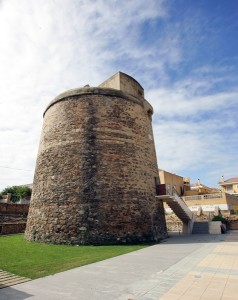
x: 10, y: 293
x: 179, y: 238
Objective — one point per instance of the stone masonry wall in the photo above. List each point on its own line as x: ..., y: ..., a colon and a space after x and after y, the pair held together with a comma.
x: 14, y: 208
x: 95, y: 175
x: 12, y: 228
x: 13, y: 218
x: 173, y: 223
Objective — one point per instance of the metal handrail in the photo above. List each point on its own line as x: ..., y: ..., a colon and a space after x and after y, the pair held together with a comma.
x: 210, y: 196
x: 182, y: 203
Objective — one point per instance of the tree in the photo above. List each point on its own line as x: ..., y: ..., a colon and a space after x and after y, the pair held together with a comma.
x: 17, y: 192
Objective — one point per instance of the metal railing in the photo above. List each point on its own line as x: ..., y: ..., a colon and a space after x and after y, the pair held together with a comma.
x: 182, y: 204
x: 225, y: 196
x: 169, y: 190
x: 203, y: 197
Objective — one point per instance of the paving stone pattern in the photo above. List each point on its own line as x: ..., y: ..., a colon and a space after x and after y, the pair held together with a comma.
x: 8, y: 279
x: 195, y: 267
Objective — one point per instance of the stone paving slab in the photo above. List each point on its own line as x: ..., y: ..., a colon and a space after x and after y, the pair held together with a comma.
x: 177, y: 268
x: 213, y: 277
x: 8, y: 279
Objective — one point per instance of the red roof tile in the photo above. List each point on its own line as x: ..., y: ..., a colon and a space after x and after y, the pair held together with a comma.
x: 196, y: 184
x: 230, y: 180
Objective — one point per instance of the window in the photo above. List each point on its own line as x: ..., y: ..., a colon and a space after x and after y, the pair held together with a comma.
x: 229, y: 188
x: 150, y: 113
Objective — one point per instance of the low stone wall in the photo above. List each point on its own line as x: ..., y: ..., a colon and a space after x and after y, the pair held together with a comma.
x: 233, y: 225
x: 173, y: 223
x: 13, y: 218
x: 14, y: 208
x: 10, y: 228
x: 174, y: 226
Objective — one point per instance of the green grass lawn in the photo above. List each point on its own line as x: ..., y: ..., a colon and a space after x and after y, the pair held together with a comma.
x: 34, y: 260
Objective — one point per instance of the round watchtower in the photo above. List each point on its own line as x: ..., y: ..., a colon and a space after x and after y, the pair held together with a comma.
x: 96, y: 169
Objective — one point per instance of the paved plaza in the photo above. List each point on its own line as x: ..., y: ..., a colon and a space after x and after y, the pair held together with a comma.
x: 181, y: 267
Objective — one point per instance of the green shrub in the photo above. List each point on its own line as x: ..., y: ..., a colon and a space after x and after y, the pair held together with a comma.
x: 220, y: 218
x: 17, y: 192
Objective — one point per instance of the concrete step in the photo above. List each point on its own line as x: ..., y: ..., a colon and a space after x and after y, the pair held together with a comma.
x: 9, y: 279
x: 200, y: 228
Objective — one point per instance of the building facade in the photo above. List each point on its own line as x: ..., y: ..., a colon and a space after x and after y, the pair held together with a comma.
x: 200, y: 198
x: 230, y: 185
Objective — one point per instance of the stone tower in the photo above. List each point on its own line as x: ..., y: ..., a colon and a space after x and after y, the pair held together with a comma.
x: 96, y: 168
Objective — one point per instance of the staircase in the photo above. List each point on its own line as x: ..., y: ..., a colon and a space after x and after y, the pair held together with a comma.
x: 168, y: 194
x: 201, y: 227
x: 175, y: 202
x: 179, y: 208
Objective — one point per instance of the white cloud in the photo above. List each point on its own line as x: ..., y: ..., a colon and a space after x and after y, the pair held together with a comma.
x: 195, y: 133
x: 48, y: 47
x: 182, y: 100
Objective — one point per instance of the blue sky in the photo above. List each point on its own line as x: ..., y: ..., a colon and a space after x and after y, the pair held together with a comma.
x: 184, y: 54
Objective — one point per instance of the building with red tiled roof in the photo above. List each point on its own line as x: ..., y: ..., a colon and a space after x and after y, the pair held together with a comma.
x: 200, y: 197
x: 230, y: 185
x: 198, y: 188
